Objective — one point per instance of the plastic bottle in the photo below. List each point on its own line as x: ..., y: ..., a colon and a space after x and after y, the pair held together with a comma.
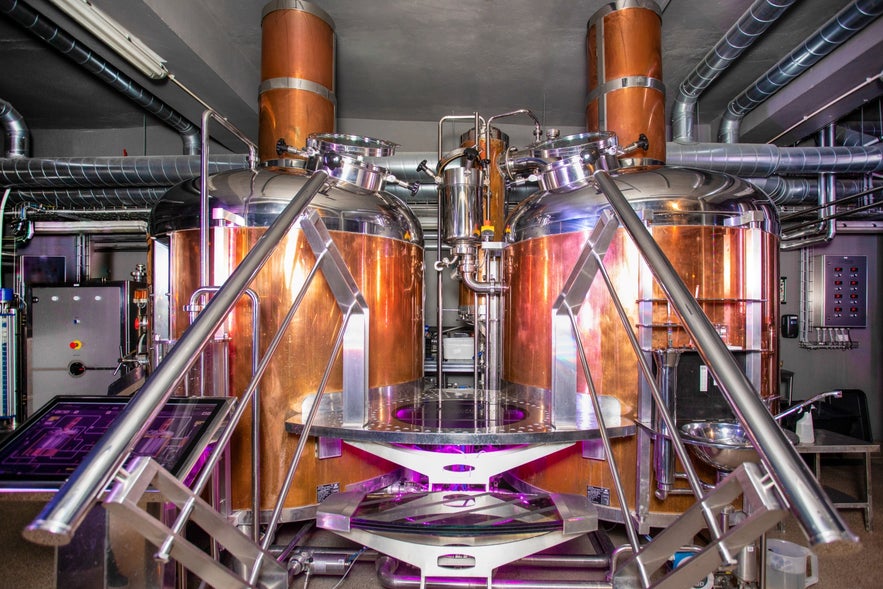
x: 804, y: 428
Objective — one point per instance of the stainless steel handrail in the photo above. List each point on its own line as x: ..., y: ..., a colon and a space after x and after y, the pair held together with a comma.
x: 806, y: 500
x: 59, y: 519
x: 207, y: 116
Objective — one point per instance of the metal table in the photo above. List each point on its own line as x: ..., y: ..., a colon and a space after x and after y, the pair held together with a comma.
x: 828, y: 442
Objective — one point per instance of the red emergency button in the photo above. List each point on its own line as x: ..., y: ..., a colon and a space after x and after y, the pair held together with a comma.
x: 76, y: 344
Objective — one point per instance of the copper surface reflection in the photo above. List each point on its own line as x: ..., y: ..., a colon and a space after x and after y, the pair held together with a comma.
x: 389, y: 274
x: 718, y: 264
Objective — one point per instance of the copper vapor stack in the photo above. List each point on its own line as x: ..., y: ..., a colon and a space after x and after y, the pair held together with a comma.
x: 625, y: 90
x: 297, y: 75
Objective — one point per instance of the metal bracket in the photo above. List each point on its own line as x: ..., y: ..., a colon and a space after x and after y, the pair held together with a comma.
x: 745, y: 218
x: 460, y: 469
x: 350, y: 300
x: 571, y: 299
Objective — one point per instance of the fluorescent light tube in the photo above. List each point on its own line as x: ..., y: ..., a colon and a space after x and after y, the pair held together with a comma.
x: 115, y: 36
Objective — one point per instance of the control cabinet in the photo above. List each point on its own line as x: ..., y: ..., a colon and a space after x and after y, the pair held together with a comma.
x: 840, y: 291
x: 78, y: 334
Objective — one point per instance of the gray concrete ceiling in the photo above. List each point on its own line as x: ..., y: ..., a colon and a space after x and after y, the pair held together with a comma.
x: 404, y: 61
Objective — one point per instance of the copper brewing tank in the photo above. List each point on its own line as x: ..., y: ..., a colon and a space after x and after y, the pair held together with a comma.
x: 720, y: 235
x: 296, y: 95
x: 625, y: 90
x: 381, y: 243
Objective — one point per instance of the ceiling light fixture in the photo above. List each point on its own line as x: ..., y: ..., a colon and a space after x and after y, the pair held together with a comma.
x: 115, y: 36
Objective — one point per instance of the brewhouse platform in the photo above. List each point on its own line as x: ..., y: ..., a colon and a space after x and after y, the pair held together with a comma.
x: 411, y: 415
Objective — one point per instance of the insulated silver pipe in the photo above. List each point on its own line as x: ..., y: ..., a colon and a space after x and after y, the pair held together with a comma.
x: 751, y: 25
x: 760, y: 159
x: 750, y: 160
x: 747, y: 159
x: 838, y: 202
x: 18, y: 139
x: 825, y: 230
x: 101, y: 198
x: 59, y: 519
x: 805, y: 498
x: 828, y: 37
x: 144, y: 171
x: 853, y: 137
x: 52, y: 34
x: 797, y: 191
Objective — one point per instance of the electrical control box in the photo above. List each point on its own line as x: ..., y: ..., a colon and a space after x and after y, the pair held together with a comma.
x: 79, y: 333
x: 840, y: 291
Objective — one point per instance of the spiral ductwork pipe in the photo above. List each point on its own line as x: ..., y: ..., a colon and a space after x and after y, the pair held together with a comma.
x: 90, y: 198
x: 796, y: 191
x: 852, y: 137
x: 759, y: 159
x: 18, y: 141
x: 148, y: 171
x: 751, y: 25
x: 49, y: 32
x: 831, y: 35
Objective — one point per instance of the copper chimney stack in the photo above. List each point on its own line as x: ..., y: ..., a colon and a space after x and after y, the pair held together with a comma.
x: 625, y: 90
x: 297, y: 75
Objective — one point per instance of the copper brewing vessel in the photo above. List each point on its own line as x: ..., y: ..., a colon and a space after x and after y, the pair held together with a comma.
x: 380, y: 242
x: 730, y: 264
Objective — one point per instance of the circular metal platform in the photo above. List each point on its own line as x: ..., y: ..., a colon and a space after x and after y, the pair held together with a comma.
x: 408, y: 414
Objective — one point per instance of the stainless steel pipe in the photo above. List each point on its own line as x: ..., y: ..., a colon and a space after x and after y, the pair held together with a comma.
x: 58, y: 521
x: 806, y: 500
x: 742, y: 35
x: 18, y: 138
x: 836, y: 31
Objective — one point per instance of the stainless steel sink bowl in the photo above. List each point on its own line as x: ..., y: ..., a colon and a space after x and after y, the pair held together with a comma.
x: 723, y: 445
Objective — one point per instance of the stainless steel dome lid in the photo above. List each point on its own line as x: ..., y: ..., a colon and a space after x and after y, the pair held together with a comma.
x: 254, y: 198
x: 665, y: 195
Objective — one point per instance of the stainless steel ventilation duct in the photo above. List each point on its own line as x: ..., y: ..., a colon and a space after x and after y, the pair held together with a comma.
x: 149, y: 170
x: 756, y: 161
x: 99, y: 199
x: 753, y: 23
x: 18, y: 141
x: 47, y: 30
x: 759, y: 159
x: 747, y: 160
x: 797, y: 191
x: 832, y: 34
x: 852, y: 137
